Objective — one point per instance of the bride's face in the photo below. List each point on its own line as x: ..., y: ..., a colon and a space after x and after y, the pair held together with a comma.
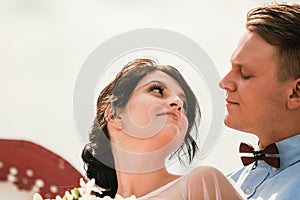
x: 155, y: 115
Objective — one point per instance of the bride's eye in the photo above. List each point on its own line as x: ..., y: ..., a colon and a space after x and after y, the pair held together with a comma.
x: 157, y: 89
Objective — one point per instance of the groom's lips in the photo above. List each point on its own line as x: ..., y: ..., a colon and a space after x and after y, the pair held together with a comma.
x: 230, y: 102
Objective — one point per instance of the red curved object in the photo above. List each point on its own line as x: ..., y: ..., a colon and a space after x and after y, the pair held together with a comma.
x: 32, y: 167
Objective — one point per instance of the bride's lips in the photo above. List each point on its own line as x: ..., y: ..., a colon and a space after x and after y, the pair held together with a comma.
x: 170, y: 114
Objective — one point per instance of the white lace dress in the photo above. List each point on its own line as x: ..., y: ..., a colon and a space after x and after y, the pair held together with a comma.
x: 201, y: 183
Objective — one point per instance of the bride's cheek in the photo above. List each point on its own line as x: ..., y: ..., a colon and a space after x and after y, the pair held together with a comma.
x: 184, y: 128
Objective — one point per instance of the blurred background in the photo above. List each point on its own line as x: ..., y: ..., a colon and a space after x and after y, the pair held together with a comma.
x: 44, y: 43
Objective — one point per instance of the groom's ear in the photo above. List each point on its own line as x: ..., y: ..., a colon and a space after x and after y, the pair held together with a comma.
x: 294, y: 98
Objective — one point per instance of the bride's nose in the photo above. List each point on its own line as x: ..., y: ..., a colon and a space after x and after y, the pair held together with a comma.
x: 175, y: 102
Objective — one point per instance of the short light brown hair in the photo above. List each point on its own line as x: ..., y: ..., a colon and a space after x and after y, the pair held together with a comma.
x: 279, y: 25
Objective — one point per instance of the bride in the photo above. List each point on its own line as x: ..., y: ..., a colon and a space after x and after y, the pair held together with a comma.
x: 145, y: 114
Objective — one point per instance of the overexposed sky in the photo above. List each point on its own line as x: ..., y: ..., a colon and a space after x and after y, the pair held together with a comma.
x: 44, y: 43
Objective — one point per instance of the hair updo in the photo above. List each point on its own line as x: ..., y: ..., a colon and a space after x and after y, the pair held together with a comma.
x: 97, y: 155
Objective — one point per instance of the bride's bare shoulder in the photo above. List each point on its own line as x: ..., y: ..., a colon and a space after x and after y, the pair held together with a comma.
x: 206, y: 182
x: 201, y: 172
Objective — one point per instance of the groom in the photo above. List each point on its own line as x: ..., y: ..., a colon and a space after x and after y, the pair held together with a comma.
x: 263, y: 98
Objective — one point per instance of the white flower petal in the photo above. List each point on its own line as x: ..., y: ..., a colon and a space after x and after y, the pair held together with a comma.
x: 37, y: 196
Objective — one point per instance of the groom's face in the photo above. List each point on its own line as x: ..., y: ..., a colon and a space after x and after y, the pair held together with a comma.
x: 254, y: 96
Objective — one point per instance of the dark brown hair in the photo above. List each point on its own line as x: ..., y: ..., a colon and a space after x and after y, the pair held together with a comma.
x: 97, y: 155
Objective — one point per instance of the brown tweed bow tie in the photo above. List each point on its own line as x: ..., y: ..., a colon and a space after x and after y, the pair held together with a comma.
x: 260, y: 155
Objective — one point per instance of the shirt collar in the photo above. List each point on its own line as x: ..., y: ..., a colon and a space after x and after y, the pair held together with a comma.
x: 289, y: 151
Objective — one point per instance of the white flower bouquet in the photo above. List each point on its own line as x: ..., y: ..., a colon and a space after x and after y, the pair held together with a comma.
x: 85, y: 192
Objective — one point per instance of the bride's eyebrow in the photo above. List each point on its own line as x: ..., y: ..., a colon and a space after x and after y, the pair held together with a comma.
x: 181, y: 95
x: 157, y: 82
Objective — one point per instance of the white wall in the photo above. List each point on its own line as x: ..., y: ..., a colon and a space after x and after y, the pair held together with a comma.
x: 43, y: 45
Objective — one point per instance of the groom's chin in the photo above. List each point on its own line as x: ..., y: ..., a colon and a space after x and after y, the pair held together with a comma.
x: 231, y: 123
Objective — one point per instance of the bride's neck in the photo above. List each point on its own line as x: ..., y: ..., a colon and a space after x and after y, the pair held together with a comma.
x: 132, y: 162
x: 139, y: 184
